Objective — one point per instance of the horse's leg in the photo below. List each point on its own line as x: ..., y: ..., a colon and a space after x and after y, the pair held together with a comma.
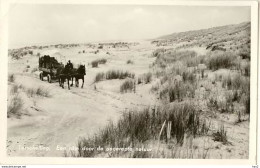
x: 62, y: 82
x: 59, y: 80
x: 82, y: 82
x: 68, y: 82
x: 77, y: 82
x: 71, y: 81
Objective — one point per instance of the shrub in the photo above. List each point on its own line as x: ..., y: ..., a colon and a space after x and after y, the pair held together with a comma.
x: 221, y: 135
x: 147, y: 77
x: 245, y: 68
x: 129, y: 62
x: 245, y: 101
x: 11, y: 78
x: 174, y: 56
x: 128, y: 85
x: 15, y: 105
x: 195, y: 61
x: 98, y: 61
x: 221, y: 60
x: 94, y: 64
x: 155, y: 88
x: 178, y: 91
x: 102, y: 61
x: 135, y: 127
x: 14, y: 89
x: 38, y: 91
x: 117, y: 74
x: 189, y: 77
x: 245, y: 53
x: 113, y: 74
x: 99, y: 77
x: 158, y: 52
x: 184, y: 90
x: 236, y: 82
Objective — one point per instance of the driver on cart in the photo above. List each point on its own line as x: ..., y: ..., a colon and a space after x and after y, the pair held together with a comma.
x: 70, y: 65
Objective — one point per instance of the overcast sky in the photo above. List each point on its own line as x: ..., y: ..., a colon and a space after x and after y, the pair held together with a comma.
x: 49, y: 24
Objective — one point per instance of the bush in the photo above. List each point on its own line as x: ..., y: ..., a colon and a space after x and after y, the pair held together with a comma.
x: 158, y: 52
x: 102, y: 61
x: 173, y: 56
x: 128, y: 85
x: 129, y: 62
x: 135, y: 127
x: 15, y: 104
x: 38, y: 91
x: 221, y: 60
x: 178, y: 91
x: 94, y: 64
x: 147, y: 77
x: 98, y: 61
x: 117, y: 74
x: 11, y: 78
x: 221, y: 135
x: 113, y: 74
x: 189, y: 77
x: 155, y: 88
x: 99, y: 77
x: 245, y: 53
x: 14, y: 89
x: 236, y: 82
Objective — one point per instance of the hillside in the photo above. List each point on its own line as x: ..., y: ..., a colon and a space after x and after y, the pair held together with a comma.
x: 229, y: 37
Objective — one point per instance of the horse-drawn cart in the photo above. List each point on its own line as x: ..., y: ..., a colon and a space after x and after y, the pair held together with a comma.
x: 49, y: 68
x: 52, y: 69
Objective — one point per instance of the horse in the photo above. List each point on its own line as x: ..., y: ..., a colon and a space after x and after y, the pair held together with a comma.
x: 79, y: 73
x: 64, y: 74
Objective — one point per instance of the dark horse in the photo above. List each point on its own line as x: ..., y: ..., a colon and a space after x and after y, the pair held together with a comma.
x: 64, y: 73
x: 78, y: 73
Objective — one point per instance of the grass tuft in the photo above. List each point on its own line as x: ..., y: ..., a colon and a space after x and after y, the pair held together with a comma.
x: 113, y: 74
x: 128, y: 85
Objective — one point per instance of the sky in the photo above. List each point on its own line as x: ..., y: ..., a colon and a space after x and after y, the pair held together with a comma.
x: 32, y: 24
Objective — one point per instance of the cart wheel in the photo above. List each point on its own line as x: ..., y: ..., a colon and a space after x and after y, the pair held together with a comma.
x: 49, y: 78
x: 41, y: 76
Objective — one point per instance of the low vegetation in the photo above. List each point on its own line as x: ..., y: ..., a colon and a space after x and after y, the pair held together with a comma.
x: 15, y: 105
x: 129, y: 62
x: 221, y: 60
x: 128, y: 85
x: 136, y: 127
x: 40, y: 91
x: 145, y: 78
x: 11, y: 78
x: 113, y: 74
x: 95, y: 63
x: 221, y: 135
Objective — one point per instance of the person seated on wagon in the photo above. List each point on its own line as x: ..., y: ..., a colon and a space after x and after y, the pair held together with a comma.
x: 70, y: 65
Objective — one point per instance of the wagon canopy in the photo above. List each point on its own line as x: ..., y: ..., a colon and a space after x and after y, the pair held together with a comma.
x: 56, y: 54
x: 51, y: 59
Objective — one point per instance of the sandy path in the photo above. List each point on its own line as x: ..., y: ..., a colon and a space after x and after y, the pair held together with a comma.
x: 61, y: 119
x: 69, y: 114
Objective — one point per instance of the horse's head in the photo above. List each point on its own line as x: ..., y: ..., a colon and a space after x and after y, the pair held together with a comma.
x: 82, y: 69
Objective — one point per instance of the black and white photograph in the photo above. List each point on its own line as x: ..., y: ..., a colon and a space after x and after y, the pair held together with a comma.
x: 97, y: 80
